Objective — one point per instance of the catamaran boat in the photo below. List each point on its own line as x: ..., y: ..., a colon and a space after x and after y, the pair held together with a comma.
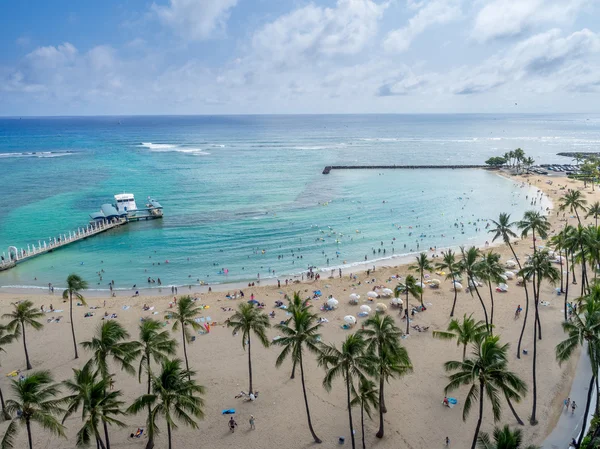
x: 125, y: 209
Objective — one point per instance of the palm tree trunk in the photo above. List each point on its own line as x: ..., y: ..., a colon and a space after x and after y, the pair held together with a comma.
x: 464, y: 352
x: 514, y: 412
x: 187, y: 365
x: 562, y: 286
x: 362, y: 424
x: 25, y: 347
x: 314, y: 435
x: 380, y: 432
x: 350, y: 408
x: 72, y: 323
x: 99, y: 442
x: 573, y: 267
x: 492, y: 310
x: 473, y: 446
x: 249, y: 365
x: 526, y: 301
x: 566, y: 287
x: 5, y: 414
x: 455, y: 296
x: 532, y: 420
x: 28, y: 425
x: 422, y: 289
x: 537, y: 315
x: 150, y: 443
x: 587, y: 410
x: 106, y: 434
x: 487, y: 323
x: 407, y: 315
x: 169, y: 433
x: 293, y: 370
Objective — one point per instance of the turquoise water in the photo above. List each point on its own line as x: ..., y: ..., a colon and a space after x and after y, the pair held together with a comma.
x: 247, y: 194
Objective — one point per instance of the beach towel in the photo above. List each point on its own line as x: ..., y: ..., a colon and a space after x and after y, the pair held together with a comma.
x: 452, y: 402
x: 228, y: 411
x: 126, y: 307
x: 58, y: 311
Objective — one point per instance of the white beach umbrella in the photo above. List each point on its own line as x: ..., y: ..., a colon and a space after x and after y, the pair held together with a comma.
x: 435, y: 282
x: 510, y: 263
x: 458, y: 286
x: 372, y: 294
x: 503, y: 287
x: 365, y: 308
x: 349, y: 319
x: 503, y: 276
x: 397, y: 301
x: 520, y: 280
x: 509, y: 275
x: 332, y: 302
x: 380, y: 307
x: 354, y: 296
x: 420, y: 284
x: 387, y: 292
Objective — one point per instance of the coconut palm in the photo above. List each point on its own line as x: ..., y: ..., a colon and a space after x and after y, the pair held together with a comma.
x: 74, y: 285
x: 559, y: 242
x: 34, y: 402
x: 573, y: 201
x: 452, y: 269
x: 421, y: 265
x: 183, y: 317
x: 88, y: 392
x: 490, y: 270
x: 410, y: 288
x: 250, y: 320
x: 155, y: 344
x: 175, y: 395
x: 350, y: 362
x: 594, y: 211
x: 583, y: 331
x: 23, y: 315
x: 295, y: 303
x: 503, y: 438
x: 299, y: 331
x: 539, y: 269
x: 6, y: 338
x: 383, y: 339
x: 487, y: 374
x: 366, y: 397
x: 109, y: 344
x: 504, y: 229
x: 465, y: 332
x: 577, y: 241
x: 470, y: 266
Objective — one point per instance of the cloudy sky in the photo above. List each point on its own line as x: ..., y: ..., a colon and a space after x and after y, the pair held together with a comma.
x: 124, y: 57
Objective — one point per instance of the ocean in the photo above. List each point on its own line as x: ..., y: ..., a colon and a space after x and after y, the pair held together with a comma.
x: 244, y: 195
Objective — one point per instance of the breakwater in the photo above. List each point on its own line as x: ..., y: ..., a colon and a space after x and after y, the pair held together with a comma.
x: 328, y: 168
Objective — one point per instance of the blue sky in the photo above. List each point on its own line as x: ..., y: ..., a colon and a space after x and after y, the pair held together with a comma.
x: 294, y: 56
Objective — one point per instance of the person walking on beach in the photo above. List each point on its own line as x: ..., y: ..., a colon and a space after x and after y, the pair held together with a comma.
x: 518, y: 311
x: 251, y: 420
x: 567, y: 403
x: 573, y: 407
x: 232, y: 424
x: 447, y: 441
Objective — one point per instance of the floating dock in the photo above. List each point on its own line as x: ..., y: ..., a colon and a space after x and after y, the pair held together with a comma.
x: 328, y: 168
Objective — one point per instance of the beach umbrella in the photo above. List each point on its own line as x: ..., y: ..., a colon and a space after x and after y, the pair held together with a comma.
x: 510, y: 263
x: 397, y: 301
x: 435, y: 282
x: 372, y: 295
x: 458, y: 286
x: 354, y: 297
x: 365, y: 308
x: 520, y: 280
x: 332, y: 302
x: 503, y: 276
x: 503, y: 287
x: 509, y: 275
x: 380, y: 308
x: 349, y: 319
x: 387, y: 292
x: 420, y: 284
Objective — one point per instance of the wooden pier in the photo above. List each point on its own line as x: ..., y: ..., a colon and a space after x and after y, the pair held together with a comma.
x: 328, y: 168
x: 18, y: 255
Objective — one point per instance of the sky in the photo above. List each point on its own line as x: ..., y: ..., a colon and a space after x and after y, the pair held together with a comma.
x: 131, y: 57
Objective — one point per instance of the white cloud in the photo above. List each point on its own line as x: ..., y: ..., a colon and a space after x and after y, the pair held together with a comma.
x: 195, y: 19
x: 317, y: 31
x: 506, y: 18
x: 51, y: 57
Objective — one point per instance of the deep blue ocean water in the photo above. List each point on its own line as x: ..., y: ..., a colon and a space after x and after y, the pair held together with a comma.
x: 246, y: 193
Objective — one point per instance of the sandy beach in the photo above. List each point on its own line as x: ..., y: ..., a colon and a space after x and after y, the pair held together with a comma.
x: 416, y: 417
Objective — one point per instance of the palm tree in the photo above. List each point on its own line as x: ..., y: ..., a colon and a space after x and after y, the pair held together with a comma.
x: 594, y: 211
x: 23, y: 315
x: 34, y: 401
x: 174, y: 395
x: 573, y: 201
x: 156, y: 345
x: 109, y: 343
x: 504, y: 228
x: 351, y: 362
x: 519, y: 155
x: 89, y: 392
x: 299, y: 331
x: 577, y: 242
x: 6, y: 338
x: 491, y: 272
x: 410, y: 288
x: 528, y: 162
x: 486, y: 372
x: 539, y: 269
x: 504, y: 438
x: 421, y: 265
x: 295, y: 303
x: 74, y: 285
x: 383, y: 339
x: 185, y: 316
x: 366, y: 397
x: 470, y: 266
x: 583, y: 331
x: 469, y: 331
x: 248, y: 319
x: 559, y: 241
x: 452, y: 269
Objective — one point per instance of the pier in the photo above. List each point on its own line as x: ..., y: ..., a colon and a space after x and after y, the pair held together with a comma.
x: 17, y: 255
x: 328, y: 168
